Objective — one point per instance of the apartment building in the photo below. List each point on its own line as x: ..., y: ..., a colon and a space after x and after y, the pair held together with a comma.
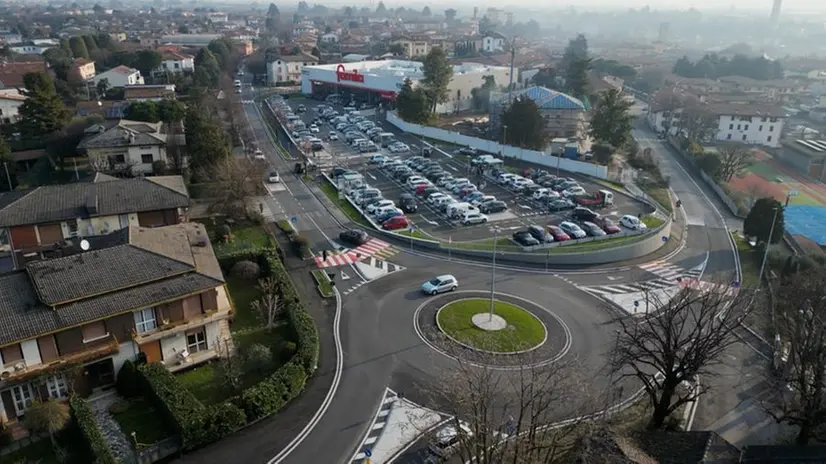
x: 174, y: 62
x: 156, y: 293
x: 120, y: 76
x: 413, y: 48
x: 289, y: 68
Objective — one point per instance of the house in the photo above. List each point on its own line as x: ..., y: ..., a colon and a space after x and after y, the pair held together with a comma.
x: 188, y: 40
x: 10, y: 102
x: 329, y: 38
x: 155, y: 92
x: 493, y: 42
x: 467, y: 46
x: 125, y: 146
x: 153, y: 293
x: 174, y: 62
x: 106, y: 109
x: 30, y: 48
x: 807, y: 155
x: 120, y: 76
x: 11, y: 73
x: 288, y: 68
x: 412, y: 48
x: 82, y: 69
x: 565, y: 116
x: 753, y: 123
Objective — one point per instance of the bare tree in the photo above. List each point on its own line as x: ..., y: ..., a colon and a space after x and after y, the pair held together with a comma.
x: 697, y: 124
x: 230, y: 367
x: 734, y: 159
x: 269, y: 306
x: 675, y: 340
x: 233, y: 180
x: 502, y: 416
x: 800, y: 393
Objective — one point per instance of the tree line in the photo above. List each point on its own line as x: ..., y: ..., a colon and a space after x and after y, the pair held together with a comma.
x: 714, y: 66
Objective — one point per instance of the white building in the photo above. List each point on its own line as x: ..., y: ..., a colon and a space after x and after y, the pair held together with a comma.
x: 289, y: 68
x: 175, y: 63
x: 120, y: 76
x: 493, y: 42
x: 376, y: 81
x: 128, y: 145
x: 751, y: 124
x: 10, y: 102
x: 29, y: 48
x: 330, y: 38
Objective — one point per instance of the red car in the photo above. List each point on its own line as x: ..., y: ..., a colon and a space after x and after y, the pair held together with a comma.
x: 609, y: 226
x: 466, y: 191
x: 420, y: 188
x: 558, y: 234
x: 395, y: 223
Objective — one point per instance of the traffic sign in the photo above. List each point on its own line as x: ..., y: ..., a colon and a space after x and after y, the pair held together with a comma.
x: 293, y: 219
x: 368, y: 452
x: 636, y: 303
x: 412, y: 229
x: 665, y: 238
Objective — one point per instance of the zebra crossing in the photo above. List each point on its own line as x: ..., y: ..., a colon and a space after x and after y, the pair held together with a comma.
x: 248, y: 102
x: 668, y: 275
x: 344, y: 256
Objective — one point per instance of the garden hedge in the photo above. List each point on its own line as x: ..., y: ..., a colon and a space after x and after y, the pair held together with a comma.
x: 84, y: 419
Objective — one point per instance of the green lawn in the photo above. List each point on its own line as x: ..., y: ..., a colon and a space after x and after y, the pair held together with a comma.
x: 502, y: 244
x: 142, y: 418
x: 243, y: 236
x: 324, y: 285
x: 415, y: 234
x: 343, y: 204
x: 598, y: 244
x: 203, y: 382
x: 243, y: 293
x: 658, y: 194
x: 749, y: 262
x: 524, y: 331
x: 40, y: 453
x: 652, y: 222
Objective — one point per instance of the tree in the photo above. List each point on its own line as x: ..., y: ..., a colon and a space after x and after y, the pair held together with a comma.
x: 381, y: 10
x: 523, y: 125
x: 78, y: 47
x: 758, y: 222
x: 269, y: 306
x: 272, y: 11
x: 229, y: 367
x: 171, y: 111
x: 602, y: 153
x: 47, y: 417
x: 147, y: 61
x: 205, y: 141
x: 412, y: 104
x: 800, y: 391
x: 675, y: 340
x: 437, y: 74
x: 90, y: 43
x: 697, y: 123
x: 142, y: 111
x: 102, y: 87
x: 546, y: 77
x: 733, y: 160
x: 426, y: 12
x: 575, y: 65
x: 481, y: 95
x: 8, y: 163
x: 257, y: 358
x: 43, y: 112
x: 611, y: 122
x: 207, y: 69
x: 223, y: 50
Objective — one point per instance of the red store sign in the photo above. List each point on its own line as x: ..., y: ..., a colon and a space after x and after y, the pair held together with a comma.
x: 352, y: 76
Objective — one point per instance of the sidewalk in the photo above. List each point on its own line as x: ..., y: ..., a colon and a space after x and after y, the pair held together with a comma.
x: 261, y: 441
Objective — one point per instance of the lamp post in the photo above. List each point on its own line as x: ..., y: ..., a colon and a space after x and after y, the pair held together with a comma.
x: 493, y: 273
x: 766, y: 253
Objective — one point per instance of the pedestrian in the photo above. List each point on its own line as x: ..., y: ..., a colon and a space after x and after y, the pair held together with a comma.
x: 261, y: 207
x: 324, y: 255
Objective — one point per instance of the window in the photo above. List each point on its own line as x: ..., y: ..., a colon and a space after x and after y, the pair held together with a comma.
x: 738, y: 127
x: 731, y: 126
x: 771, y: 128
x: 57, y: 387
x: 769, y: 138
x: 196, y: 340
x: 11, y: 354
x: 746, y: 128
x: 117, y: 159
x: 760, y: 128
x: 146, y: 158
x: 145, y: 320
x: 744, y: 137
x: 94, y: 331
x: 728, y: 137
x: 72, y: 226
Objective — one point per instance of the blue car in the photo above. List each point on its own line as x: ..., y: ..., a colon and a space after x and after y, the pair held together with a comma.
x: 443, y: 283
x: 388, y: 215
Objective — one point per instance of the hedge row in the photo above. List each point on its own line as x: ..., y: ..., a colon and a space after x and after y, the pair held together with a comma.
x: 196, y: 424
x: 84, y: 419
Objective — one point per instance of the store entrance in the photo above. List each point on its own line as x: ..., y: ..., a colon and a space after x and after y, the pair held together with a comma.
x: 348, y: 95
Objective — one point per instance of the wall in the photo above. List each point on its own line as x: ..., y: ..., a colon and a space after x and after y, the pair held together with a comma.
x: 213, y: 335
x: 128, y: 351
x: 171, y: 346
x: 756, y: 131
x: 530, y: 156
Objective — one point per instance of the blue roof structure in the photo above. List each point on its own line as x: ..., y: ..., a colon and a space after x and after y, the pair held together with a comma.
x: 547, y: 99
x: 808, y: 221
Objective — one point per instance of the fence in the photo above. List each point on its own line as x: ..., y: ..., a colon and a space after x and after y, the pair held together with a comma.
x: 158, y: 451
x: 489, y: 146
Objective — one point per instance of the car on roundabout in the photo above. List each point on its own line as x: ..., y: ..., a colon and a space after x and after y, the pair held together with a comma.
x: 440, y: 284
x: 354, y: 237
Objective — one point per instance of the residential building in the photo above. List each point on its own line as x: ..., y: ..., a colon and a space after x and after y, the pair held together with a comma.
x: 300, y: 29
x: 412, y: 48
x: 289, y: 68
x: 156, y: 92
x: 189, y: 40
x: 11, y: 73
x: 753, y: 123
x: 120, y: 76
x: 151, y: 293
x: 10, y: 102
x: 82, y: 69
x: 38, y: 220
x: 329, y: 38
x: 29, y: 48
x: 467, y: 46
x: 174, y: 62
x: 565, y: 116
x: 353, y: 57
x: 493, y: 42
x: 8, y: 37
x: 807, y: 155
x: 125, y: 145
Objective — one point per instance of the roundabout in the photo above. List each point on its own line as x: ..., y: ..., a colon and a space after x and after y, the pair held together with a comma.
x: 495, y: 327
x: 520, y: 333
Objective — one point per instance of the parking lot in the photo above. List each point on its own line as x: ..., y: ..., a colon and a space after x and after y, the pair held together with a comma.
x: 522, y: 209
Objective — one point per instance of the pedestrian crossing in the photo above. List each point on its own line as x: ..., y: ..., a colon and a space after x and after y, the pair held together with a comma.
x: 248, y: 102
x: 669, y: 275
x: 340, y: 257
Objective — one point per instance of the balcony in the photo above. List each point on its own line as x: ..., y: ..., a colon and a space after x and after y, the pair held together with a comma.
x: 171, y: 328
x: 18, y: 371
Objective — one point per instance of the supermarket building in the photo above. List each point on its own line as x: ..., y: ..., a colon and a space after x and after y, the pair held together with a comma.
x: 373, y: 82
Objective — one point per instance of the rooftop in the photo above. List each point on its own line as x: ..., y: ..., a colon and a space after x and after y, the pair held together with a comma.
x: 124, y: 271
x: 125, y: 133
x: 124, y: 70
x: 812, y: 148
x: 401, y: 68
x: 546, y: 99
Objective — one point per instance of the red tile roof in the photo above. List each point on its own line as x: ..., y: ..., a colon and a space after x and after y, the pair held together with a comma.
x: 11, y: 74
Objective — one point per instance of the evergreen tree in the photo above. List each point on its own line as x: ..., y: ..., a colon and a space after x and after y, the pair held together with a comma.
x: 142, y: 111
x: 523, y: 125
x: 437, y: 74
x: 207, y: 69
x: 43, y: 112
x: 381, y: 9
x: 576, y: 64
x: 91, y: 45
x: 170, y: 111
x: 147, y: 60
x: 10, y: 165
x: 78, y: 47
x: 611, y: 122
x: 412, y: 104
x: 758, y: 222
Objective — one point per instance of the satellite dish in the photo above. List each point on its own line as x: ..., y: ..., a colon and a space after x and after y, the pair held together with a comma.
x: 84, y: 245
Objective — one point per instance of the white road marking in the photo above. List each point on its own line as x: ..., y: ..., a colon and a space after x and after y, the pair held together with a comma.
x: 371, y: 176
x: 524, y: 206
x: 433, y: 223
x: 451, y: 167
x: 614, y: 278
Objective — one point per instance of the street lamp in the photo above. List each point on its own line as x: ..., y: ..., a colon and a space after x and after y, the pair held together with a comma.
x: 493, y: 273
x: 768, y: 244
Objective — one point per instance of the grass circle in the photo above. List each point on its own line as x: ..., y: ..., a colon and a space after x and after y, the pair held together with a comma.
x: 524, y: 331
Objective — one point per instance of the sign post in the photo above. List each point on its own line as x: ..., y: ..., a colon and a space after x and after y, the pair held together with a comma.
x: 412, y: 229
x: 449, y: 245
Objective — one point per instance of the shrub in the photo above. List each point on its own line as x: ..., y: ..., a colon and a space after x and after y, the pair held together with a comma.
x: 222, y: 420
x: 300, y: 241
x: 127, y: 382
x: 263, y: 399
x: 245, y: 269
x: 84, y: 419
x: 257, y: 357
x: 5, y: 436
x: 290, y: 347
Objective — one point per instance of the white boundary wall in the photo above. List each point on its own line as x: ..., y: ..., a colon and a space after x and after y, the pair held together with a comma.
x: 489, y: 146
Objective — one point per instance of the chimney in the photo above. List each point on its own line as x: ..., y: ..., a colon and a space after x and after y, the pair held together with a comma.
x: 92, y: 204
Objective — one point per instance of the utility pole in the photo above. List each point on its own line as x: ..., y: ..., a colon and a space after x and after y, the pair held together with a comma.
x: 513, y: 56
x: 8, y: 177
x: 493, y: 273
x: 766, y: 253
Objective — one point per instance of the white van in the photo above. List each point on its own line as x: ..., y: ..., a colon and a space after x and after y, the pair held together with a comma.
x: 461, y: 209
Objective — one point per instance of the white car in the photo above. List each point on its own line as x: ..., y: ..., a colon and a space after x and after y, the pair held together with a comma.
x: 372, y: 209
x: 482, y: 199
x: 506, y: 178
x: 314, y: 129
x: 632, y: 222
x: 378, y: 159
x: 540, y: 194
x: 574, y: 192
x: 474, y: 218
x: 448, y: 440
x: 416, y: 180
x: 573, y: 230
x: 333, y: 136
x: 259, y: 155
x: 386, y: 209
x: 273, y: 178
x: 435, y: 198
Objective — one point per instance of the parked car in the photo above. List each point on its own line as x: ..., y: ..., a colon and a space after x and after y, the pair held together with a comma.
x: 540, y: 234
x: 382, y: 218
x: 448, y: 440
x: 493, y: 207
x: 480, y: 199
x: 609, y: 226
x: 558, y: 234
x: 333, y: 136
x: 632, y: 222
x: 474, y: 218
x: 427, y: 191
x: 273, y: 177
x: 580, y: 213
x: 574, y: 191
x: 592, y: 229
x: 440, y: 284
x: 573, y: 230
x: 560, y: 205
x: 524, y: 238
x: 395, y: 223
x: 373, y: 208
x: 407, y: 203
x: 355, y: 237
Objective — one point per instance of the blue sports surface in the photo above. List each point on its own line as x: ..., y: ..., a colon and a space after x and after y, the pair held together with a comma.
x: 808, y: 221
